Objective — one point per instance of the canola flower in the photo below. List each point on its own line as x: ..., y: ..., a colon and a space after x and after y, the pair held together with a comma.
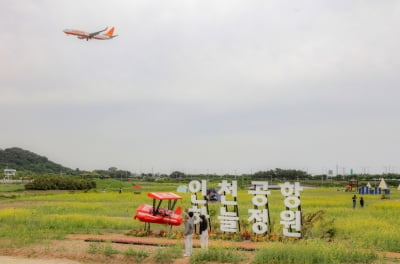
x: 374, y: 226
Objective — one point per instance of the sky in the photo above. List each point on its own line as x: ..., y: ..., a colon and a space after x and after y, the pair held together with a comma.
x: 210, y: 86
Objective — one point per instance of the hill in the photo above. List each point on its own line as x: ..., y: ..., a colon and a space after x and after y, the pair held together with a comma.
x: 24, y: 160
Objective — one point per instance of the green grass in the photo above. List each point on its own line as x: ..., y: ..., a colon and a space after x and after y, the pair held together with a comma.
x: 216, y: 254
x: 34, y: 217
x: 166, y: 255
x: 309, y: 252
x: 137, y: 255
x: 102, y: 248
x: 12, y: 187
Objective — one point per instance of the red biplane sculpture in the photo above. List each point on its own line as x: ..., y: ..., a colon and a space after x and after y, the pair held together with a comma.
x: 154, y: 214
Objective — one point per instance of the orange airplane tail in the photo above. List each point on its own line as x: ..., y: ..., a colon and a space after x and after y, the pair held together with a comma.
x: 110, y: 32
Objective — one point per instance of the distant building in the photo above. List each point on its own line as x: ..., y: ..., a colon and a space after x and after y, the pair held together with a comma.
x: 9, y: 173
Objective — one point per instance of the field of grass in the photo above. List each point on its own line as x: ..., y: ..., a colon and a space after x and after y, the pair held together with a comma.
x: 35, y: 217
x: 11, y: 187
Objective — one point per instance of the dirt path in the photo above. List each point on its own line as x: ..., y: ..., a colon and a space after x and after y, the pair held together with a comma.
x: 75, y: 250
x: 21, y: 260
x: 158, y: 241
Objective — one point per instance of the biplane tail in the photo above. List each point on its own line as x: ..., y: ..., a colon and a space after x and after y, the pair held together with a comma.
x: 178, y: 210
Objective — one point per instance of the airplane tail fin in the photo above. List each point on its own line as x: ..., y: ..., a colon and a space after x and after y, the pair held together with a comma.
x: 178, y: 210
x: 110, y: 32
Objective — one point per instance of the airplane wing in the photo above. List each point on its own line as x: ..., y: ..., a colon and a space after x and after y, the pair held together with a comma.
x: 164, y: 196
x: 96, y: 33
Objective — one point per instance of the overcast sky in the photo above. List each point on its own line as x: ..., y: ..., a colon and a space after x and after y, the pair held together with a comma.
x: 206, y: 86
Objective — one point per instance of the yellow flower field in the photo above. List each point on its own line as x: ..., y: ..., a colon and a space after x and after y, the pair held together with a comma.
x: 31, y: 218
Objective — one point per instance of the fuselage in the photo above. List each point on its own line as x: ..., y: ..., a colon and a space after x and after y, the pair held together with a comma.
x: 85, y: 35
x: 76, y: 32
x: 145, y: 213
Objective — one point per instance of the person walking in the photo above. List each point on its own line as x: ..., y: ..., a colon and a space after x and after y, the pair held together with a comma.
x: 361, y: 202
x: 354, y: 198
x: 203, y: 232
x: 188, y: 233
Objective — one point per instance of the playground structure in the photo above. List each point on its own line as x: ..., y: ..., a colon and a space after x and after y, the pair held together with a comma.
x: 352, y: 185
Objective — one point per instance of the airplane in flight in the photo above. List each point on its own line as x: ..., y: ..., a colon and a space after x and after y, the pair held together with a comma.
x: 95, y: 35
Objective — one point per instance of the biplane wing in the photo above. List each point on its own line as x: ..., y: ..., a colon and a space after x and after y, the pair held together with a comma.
x: 164, y: 196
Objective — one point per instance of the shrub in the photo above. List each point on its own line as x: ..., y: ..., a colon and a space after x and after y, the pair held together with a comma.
x: 108, y: 250
x: 167, y: 254
x: 137, y: 255
x: 315, y: 225
x: 94, y: 248
x: 60, y: 183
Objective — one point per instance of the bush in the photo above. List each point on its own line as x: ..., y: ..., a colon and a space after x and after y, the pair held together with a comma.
x: 137, y: 255
x: 167, y: 255
x: 109, y: 250
x: 315, y: 225
x: 106, y: 249
x: 94, y: 248
x: 60, y: 183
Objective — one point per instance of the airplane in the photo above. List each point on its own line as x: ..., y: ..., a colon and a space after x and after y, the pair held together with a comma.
x: 95, y: 35
x: 154, y: 214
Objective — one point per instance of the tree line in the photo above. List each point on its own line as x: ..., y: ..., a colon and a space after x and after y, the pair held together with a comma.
x: 32, y: 165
